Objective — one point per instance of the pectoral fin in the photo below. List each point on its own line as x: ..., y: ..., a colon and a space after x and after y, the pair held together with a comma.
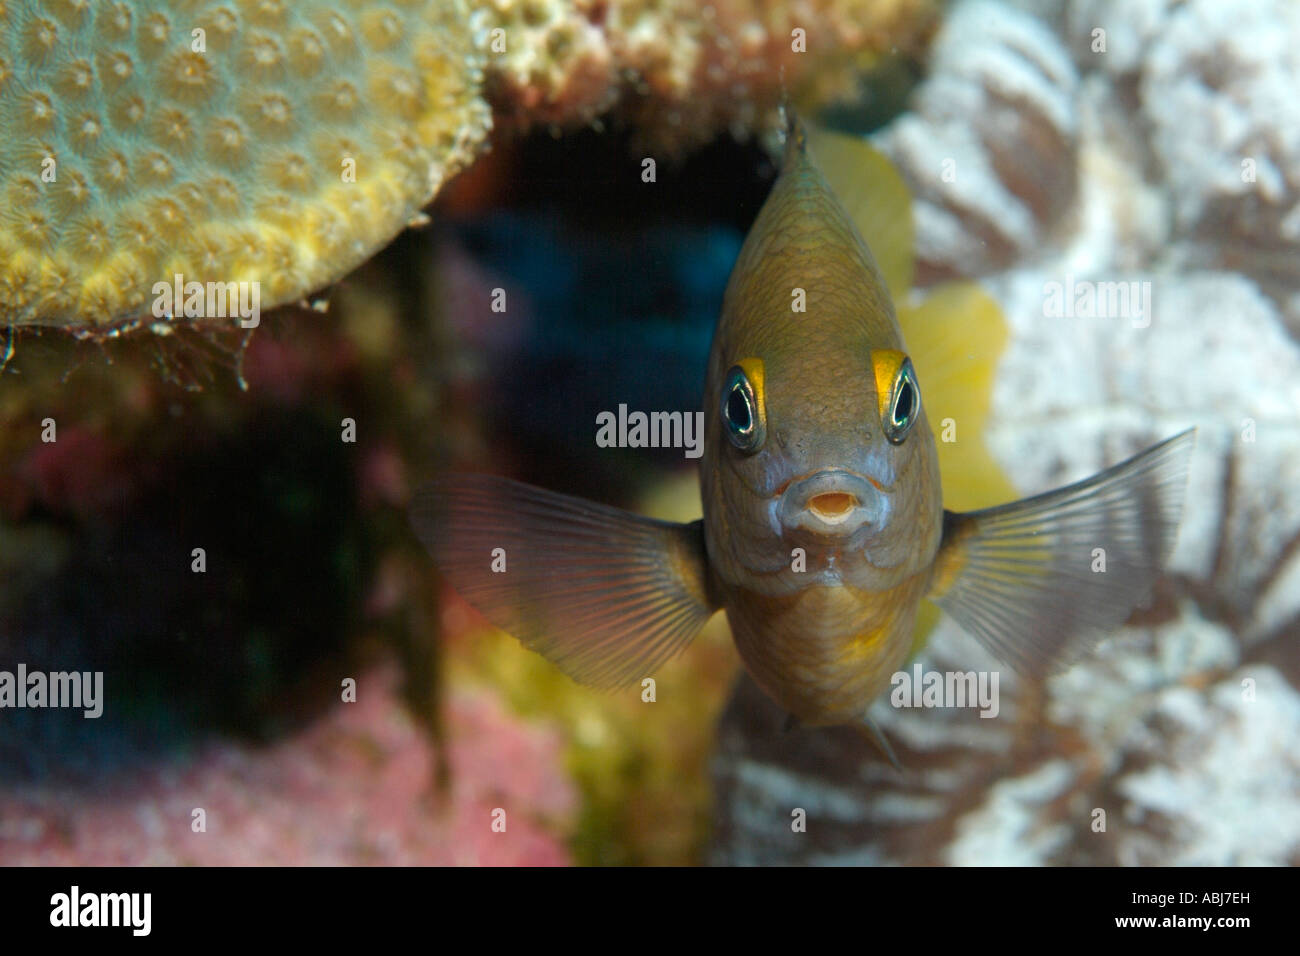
x: 606, y: 595
x: 1036, y: 580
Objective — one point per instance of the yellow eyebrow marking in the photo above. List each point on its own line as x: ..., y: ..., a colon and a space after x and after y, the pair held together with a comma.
x: 753, y: 369
x: 885, y: 363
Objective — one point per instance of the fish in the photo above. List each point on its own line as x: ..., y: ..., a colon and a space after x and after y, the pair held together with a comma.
x: 829, y: 535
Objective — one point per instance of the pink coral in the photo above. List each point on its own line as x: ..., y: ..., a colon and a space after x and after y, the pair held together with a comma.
x: 353, y: 788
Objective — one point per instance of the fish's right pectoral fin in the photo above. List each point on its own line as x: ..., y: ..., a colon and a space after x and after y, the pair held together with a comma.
x: 605, y: 595
x: 1037, y: 580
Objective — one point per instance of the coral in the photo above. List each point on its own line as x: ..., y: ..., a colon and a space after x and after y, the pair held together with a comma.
x: 356, y: 787
x: 682, y: 71
x: 1221, y: 779
x: 1184, y: 745
x: 137, y: 148
x: 1171, y: 231
x: 1108, y: 385
x: 1214, y: 88
x: 989, y: 150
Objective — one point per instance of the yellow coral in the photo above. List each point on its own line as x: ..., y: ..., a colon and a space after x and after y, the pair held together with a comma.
x: 132, y: 147
x: 135, y: 147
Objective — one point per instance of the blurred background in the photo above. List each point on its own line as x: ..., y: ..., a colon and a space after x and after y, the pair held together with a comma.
x: 1163, y: 151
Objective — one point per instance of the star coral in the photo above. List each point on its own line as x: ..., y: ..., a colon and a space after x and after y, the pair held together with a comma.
x: 228, y: 140
x: 284, y: 143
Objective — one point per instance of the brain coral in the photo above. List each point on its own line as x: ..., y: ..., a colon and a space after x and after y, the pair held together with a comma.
x: 225, y: 140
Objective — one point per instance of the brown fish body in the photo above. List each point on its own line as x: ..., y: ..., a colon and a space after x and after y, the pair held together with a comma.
x: 824, y: 527
x: 822, y: 640
x: 825, y: 652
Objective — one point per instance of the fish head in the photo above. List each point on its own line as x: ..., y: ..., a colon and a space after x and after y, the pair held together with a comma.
x: 816, y: 436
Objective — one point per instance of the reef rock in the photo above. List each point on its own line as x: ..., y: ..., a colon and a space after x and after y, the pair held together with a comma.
x: 989, y: 149
x: 1212, y: 85
x: 680, y: 71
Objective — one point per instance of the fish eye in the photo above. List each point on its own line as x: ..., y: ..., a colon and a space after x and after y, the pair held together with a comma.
x: 904, y: 404
x: 742, y: 412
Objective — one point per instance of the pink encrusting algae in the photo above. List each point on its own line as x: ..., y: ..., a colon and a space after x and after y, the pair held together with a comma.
x: 355, y: 787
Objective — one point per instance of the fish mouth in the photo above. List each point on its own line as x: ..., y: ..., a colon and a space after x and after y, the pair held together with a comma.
x: 832, y: 501
x: 833, y: 507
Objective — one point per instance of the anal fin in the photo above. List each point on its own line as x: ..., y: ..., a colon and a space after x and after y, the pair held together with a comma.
x: 871, y: 730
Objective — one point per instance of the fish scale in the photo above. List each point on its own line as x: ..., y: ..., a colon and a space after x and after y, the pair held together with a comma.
x: 833, y: 658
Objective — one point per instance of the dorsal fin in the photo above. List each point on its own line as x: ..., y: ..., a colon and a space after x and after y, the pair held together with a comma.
x: 875, y: 197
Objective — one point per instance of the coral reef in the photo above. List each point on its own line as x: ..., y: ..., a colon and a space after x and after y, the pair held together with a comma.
x: 681, y: 71
x: 238, y: 141
x: 222, y: 688
x: 356, y: 787
x: 1183, y: 739
x: 222, y: 680
x: 282, y: 144
x: 989, y: 147
x: 1072, y: 166
x: 1213, y: 86
x: 1171, y: 292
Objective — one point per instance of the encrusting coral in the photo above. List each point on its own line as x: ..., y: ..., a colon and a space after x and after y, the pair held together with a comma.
x: 229, y: 141
x: 680, y: 70
x: 282, y: 144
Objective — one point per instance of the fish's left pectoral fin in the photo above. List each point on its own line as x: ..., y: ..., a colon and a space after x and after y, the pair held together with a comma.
x: 605, y: 595
x: 1036, y: 581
